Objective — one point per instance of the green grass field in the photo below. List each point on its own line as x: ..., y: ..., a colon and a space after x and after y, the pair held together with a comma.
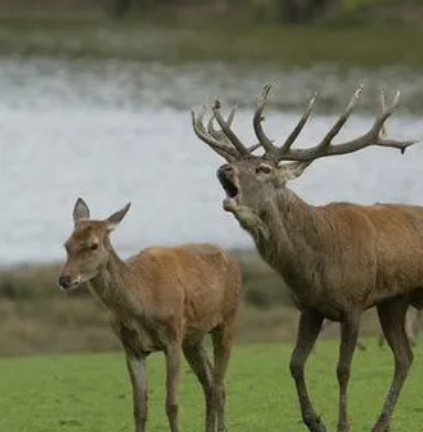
x: 90, y: 392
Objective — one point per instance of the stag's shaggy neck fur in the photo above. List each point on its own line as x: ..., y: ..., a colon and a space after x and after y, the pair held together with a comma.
x: 300, y: 242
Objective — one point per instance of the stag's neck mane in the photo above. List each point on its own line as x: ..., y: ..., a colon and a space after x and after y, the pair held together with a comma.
x: 289, y: 235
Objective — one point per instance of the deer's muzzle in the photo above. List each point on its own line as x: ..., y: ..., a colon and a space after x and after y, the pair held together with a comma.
x: 68, y: 282
x: 225, y: 174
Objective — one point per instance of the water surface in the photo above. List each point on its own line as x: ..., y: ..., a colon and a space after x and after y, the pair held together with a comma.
x: 114, y: 131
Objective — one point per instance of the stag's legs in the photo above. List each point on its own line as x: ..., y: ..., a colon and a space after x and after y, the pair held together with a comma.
x: 417, y: 325
x: 392, y: 318
x: 137, y: 373
x: 409, y: 328
x: 222, y: 344
x: 173, y: 371
x: 349, y: 335
x: 412, y: 324
x: 308, y: 331
x: 197, y: 358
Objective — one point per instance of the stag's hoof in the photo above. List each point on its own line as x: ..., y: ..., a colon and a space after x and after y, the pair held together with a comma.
x: 315, y: 424
x: 381, y: 427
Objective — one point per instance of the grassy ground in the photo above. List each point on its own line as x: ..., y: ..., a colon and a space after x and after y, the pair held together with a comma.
x: 90, y: 393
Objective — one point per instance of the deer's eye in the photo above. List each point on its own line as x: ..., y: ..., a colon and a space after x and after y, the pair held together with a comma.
x: 264, y: 169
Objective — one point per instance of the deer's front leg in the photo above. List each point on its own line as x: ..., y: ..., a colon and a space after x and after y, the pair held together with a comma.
x: 137, y: 373
x: 173, y: 371
x: 309, y: 328
x: 349, y: 337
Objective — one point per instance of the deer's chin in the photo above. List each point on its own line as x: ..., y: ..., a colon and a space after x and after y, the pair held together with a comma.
x: 231, y: 204
x: 75, y: 283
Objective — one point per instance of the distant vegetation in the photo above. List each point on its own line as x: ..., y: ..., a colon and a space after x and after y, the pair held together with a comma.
x: 282, y: 11
x: 286, y: 11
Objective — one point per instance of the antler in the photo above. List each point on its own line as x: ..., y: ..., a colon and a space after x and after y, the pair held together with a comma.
x: 215, y: 139
x: 375, y: 136
x: 227, y: 144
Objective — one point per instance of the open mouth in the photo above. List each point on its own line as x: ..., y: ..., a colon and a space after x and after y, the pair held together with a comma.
x: 231, y: 189
x: 227, y: 184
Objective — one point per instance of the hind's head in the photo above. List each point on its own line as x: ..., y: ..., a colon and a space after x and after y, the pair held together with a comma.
x: 87, y: 248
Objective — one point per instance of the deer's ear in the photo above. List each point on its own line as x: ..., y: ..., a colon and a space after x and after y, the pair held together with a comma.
x: 292, y: 170
x: 80, y: 211
x: 114, y: 220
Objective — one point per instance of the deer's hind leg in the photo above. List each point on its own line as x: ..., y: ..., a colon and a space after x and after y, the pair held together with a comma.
x: 222, y: 337
x: 392, y: 314
x: 196, y: 356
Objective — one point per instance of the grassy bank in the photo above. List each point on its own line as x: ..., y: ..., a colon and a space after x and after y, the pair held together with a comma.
x: 193, y: 41
x: 36, y: 317
x: 91, y: 392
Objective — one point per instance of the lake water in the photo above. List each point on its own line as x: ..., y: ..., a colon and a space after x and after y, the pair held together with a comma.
x: 114, y: 132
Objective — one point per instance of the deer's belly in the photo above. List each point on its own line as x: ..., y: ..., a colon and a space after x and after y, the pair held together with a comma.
x: 138, y: 338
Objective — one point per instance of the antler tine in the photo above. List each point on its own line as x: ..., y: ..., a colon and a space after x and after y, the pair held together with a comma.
x: 387, y: 110
x: 231, y: 115
x: 383, y: 106
x: 264, y: 140
x: 327, y: 140
x: 300, y: 125
x: 211, y: 130
x: 226, y: 128
x: 378, y: 131
x: 219, y: 135
x: 209, y: 138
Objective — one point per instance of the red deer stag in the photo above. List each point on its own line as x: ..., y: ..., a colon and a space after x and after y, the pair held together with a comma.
x: 339, y: 259
x: 163, y: 299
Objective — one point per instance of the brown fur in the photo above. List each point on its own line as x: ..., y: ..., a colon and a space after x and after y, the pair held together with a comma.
x: 163, y: 299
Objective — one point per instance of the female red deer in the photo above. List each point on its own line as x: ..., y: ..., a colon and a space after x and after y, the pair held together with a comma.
x: 163, y: 299
x: 339, y: 259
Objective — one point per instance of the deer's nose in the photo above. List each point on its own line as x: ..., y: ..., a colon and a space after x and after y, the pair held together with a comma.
x: 225, y: 170
x: 65, y: 281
